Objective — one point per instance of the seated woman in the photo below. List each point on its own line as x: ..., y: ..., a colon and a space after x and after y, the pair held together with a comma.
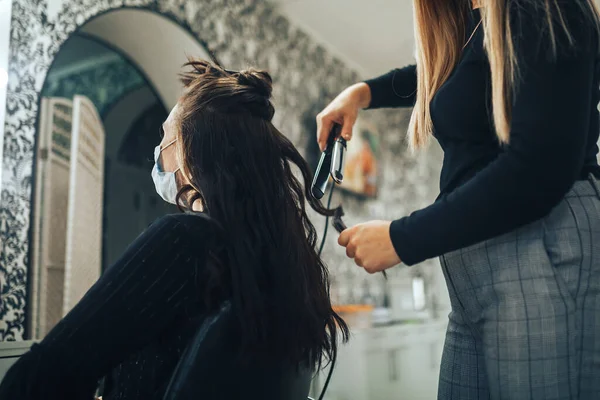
x: 245, y: 237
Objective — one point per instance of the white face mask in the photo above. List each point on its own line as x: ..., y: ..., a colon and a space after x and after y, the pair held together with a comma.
x: 164, y: 182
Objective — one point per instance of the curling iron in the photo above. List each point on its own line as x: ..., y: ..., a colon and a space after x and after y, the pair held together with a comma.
x: 331, y: 163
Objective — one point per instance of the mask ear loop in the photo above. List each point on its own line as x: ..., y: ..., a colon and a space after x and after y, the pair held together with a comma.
x: 168, y: 144
x: 160, y: 150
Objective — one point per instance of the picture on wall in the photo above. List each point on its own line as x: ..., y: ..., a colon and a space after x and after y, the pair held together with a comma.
x: 361, y: 172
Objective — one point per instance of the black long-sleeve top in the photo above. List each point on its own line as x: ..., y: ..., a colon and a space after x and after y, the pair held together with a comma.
x: 131, y: 326
x: 488, y: 189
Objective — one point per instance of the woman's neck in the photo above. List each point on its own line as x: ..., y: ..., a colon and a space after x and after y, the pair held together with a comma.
x: 476, y: 4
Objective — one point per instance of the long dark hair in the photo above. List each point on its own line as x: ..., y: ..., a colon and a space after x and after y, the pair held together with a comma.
x: 240, y: 168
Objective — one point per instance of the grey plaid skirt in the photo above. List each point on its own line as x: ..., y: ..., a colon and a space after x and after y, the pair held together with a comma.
x: 525, y: 320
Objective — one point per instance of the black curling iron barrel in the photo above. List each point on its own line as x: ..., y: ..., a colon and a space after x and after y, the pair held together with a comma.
x: 331, y: 163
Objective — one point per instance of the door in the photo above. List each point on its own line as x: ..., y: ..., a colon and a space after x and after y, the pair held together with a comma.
x: 86, y: 187
x: 50, y: 214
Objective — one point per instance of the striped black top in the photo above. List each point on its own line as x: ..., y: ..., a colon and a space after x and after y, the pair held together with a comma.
x: 131, y: 326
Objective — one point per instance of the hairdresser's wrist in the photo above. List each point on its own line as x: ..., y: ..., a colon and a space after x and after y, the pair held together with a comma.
x: 361, y: 92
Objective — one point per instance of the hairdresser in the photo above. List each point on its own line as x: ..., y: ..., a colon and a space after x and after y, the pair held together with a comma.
x: 245, y: 238
x: 509, y: 88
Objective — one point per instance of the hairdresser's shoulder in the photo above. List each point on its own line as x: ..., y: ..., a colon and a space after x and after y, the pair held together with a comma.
x: 568, y: 12
x: 573, y: 25
x: 541, y: 5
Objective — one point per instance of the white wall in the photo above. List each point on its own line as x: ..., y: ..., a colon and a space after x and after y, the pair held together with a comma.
x: 5, y: 12
x: 371, y: 37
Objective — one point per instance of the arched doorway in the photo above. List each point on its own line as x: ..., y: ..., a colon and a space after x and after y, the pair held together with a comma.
x: 132, y: 84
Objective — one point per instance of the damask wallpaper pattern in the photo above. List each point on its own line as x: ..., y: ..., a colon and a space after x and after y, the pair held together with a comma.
x: 239, y: 32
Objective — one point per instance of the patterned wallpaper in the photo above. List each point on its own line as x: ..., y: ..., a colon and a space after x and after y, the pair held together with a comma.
x: 249, y: 32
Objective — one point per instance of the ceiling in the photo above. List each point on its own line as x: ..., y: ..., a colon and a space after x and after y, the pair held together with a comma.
x: 370, y: 36
x: 130, y: 30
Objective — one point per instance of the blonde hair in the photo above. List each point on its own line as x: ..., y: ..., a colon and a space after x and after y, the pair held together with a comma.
x: 440, y: 34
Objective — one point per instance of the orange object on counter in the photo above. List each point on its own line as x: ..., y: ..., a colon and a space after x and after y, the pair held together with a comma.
x: 352, y: 308
x: 357, y: 316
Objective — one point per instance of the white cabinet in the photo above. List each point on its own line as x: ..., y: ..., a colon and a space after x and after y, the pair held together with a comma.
x: 389, y: 363
x: 381, y: 379
x: 421, y: 378
x: 403, y: 371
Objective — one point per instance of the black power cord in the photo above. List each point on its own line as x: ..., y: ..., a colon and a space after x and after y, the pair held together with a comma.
x: 326, y: 221
x: 320, y: 251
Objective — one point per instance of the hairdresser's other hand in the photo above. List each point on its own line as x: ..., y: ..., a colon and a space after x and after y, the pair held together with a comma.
x: 342, y: 110
x: 370, y: 245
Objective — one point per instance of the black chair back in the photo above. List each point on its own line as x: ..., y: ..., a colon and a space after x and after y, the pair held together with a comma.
x: 209, y: 368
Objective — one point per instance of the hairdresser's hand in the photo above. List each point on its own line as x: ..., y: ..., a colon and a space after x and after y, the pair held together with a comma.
x: 342, y: 110
x: 370, y: 246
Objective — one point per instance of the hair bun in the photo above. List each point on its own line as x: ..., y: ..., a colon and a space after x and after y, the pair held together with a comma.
x: 260, y: 81
x: 260, y: 84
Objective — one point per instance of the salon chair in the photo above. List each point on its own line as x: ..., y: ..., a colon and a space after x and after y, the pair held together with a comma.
x: 209, y: 370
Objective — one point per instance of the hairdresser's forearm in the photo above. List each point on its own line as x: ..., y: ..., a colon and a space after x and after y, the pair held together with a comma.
x: 362, y: 94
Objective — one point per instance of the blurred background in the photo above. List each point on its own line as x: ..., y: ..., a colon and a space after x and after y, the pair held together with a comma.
x: 84, y: 86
